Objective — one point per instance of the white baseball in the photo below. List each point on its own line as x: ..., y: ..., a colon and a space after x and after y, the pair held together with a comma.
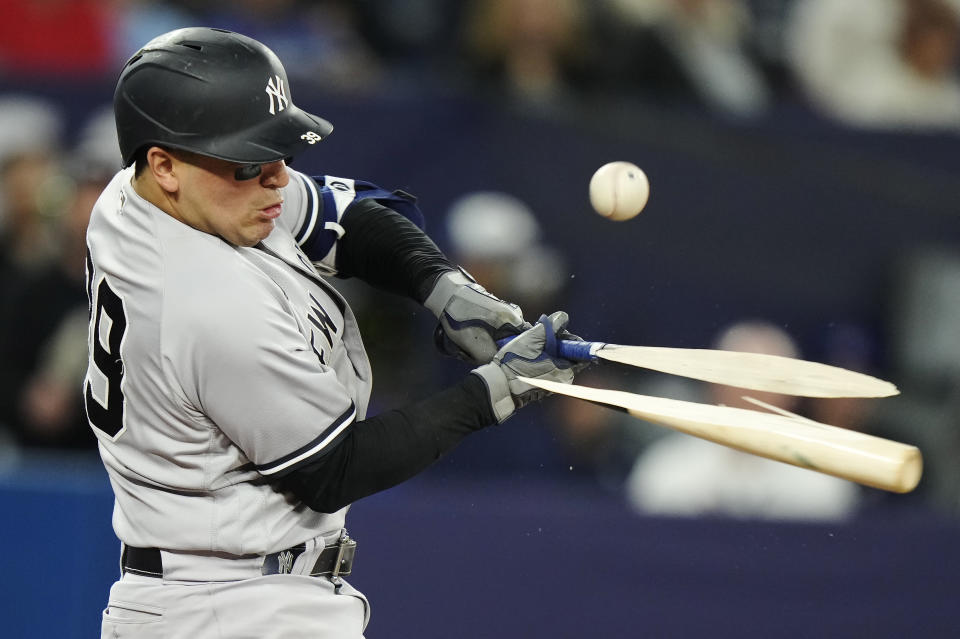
x: 619, y: 190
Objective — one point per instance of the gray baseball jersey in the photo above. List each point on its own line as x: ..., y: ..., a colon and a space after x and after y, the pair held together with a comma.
x: 214, y: 367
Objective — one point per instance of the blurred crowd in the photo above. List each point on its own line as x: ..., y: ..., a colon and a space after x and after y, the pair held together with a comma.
x: 869, y: 63
x: 863, y: 64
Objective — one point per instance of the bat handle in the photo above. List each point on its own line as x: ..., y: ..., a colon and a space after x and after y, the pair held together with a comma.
x: 569, y: 349
x: 579, y: 351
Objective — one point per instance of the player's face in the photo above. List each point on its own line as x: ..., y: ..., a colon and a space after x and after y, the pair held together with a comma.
x: 212, y: 199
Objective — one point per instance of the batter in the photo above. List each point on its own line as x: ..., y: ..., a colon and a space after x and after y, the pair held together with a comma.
x: 228, y: 384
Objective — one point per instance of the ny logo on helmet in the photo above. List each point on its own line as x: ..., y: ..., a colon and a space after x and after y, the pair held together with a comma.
x: 277, y: 93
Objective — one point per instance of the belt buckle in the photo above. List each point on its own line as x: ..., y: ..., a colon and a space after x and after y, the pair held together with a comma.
x: 346, y: 549
x: 344, y: 563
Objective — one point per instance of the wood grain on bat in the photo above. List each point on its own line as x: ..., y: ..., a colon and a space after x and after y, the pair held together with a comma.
x: 865, y: 459
x: 771, y: 373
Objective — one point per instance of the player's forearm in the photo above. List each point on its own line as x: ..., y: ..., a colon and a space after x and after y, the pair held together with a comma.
x: 387, y: 250
x: 385, y: 450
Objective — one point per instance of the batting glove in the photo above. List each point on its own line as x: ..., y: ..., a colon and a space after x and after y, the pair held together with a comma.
x: 532, y: 354
x: 471, y: 320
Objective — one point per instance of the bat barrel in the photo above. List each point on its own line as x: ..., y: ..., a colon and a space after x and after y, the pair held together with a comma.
x: 851, y: 455
x: 865, y: 459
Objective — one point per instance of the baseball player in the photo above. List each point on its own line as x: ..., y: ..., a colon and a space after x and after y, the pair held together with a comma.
x: 227, y: 382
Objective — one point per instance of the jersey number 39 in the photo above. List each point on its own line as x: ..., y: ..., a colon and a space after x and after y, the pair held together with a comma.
x: 109, y: 325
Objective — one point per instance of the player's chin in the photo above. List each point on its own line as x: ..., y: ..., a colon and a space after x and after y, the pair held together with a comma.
x: 264, y: 226
x: 255, y: 233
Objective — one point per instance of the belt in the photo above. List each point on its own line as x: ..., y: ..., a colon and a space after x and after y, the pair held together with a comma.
x: 334, y: 561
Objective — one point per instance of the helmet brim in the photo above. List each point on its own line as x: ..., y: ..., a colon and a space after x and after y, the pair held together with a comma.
x: 289, y: 133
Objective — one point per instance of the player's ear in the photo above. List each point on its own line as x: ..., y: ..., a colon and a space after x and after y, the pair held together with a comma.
x: 163, y: 166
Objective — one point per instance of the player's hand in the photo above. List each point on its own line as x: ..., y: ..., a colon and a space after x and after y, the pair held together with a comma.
x: 532, y: 354
x: 471, y: 320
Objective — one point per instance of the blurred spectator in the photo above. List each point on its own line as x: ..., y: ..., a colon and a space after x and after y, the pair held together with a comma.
x: 849, y: 345
x: 496, y: 237
x: 320, y: 43
x: 96, y: 154
x: 600, y: 444
x: 924, y: 336
x: 51, y: 407
x: 417, y: 39
x: 30, y: 133
x: 134, y: 22
x: 46, y: 309
x: 768, y: 43
x: 880, y: 63
x: 687, y: 49
x: 687, y: 476
x: 63, y: 38
x: 533, y: 53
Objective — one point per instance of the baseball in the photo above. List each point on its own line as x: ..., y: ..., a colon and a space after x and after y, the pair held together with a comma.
x: 619, y: 190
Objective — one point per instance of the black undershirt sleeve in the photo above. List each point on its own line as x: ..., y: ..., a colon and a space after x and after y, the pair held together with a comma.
x: 383, y: 451
x: 385, y: 249
x: 388, y: 251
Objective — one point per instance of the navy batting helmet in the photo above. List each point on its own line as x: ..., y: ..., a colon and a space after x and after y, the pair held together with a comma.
x: 213, y: 92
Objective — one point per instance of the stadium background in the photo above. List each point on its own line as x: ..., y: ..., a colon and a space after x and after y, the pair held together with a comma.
x: 843, y: 232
